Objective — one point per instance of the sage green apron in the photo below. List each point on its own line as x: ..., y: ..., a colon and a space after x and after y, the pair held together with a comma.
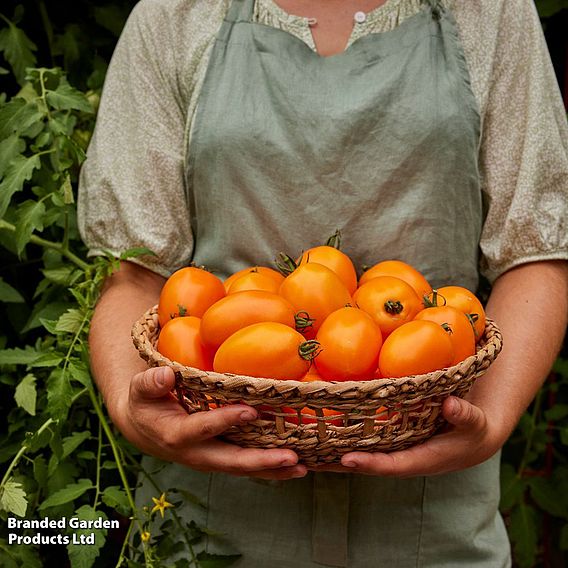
x: 380, y: 141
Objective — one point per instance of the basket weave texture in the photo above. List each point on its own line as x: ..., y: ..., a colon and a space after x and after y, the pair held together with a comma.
x: 376, y: 415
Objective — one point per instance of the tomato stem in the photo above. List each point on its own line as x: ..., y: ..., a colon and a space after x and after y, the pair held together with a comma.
x: 285, y: 263
x: 335, y: 240
x: 433, y: 303
x: 303, y: 321
x: 309, y: 350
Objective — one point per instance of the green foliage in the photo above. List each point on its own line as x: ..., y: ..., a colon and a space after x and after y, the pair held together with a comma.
x: 61, y: 456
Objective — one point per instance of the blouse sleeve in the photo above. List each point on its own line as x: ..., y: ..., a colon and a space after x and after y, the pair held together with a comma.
x: 132, y: 190
x: 524, y: 149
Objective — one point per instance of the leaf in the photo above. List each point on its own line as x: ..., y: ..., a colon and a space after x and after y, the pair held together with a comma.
x: 13, y: 498
x: 18, y: 50
x: 9, y: 295
x: 557, y: 412
x: 207, y: 560
x: 547, y: 8
x: 18, y: 172
x: 80, y: 373
x: 17, y: 116
x: 48, y: 359
x: 67, y: 494
x: 60, y: 275
x: 71, y: 443
x: 30, y: 216
x: 115, y: 497
x: 10, y: 147
x: 136, y: 251
x: 26, y: 394
x: 59, y: 394
x: 18, y: 356
x: 66, y: 97
x: 512, y: 487
x: 524, y: 534
x: 70, y: 322
x: 546, y: 496
x: 564, y: 537
x: 81, y: 555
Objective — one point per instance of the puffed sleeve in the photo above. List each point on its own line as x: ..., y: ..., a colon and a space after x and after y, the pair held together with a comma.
x: 132, y: 189
x: 524, y: 149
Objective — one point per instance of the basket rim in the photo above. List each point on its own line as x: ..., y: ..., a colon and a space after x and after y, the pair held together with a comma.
x: 492, y: 344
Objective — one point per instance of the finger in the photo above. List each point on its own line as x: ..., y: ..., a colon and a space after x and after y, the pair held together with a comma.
x: 462, y: 414
x: 152, y: 384
x: 282, y: 474
x: 335, y: 468
x: 218, y: 455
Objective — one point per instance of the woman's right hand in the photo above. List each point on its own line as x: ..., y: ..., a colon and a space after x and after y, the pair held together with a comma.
x: 150, y: 417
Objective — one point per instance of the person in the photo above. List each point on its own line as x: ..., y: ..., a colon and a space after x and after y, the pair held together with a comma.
x: 426, y: 130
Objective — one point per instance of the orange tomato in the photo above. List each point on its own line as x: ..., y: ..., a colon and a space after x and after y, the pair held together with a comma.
x: 317, y: 290
x: 188, y: 292
x: 335, y: 260
x: 465, y: 301
x: 399, y: 269
x: 270, y: 272
x: 241, y: 309
x: 312, y: 375
x: 350, y: 342
x: 307, y: 413
x: 267, y: 349
x: 180, y: 341
x: 458, y: 326
x: 390, y: 301
x: 415, y: 348
x: 255, y: 281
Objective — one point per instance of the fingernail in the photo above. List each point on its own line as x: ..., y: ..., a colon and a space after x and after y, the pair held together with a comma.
x: 160, y: 377
x: 288, y: 462
x: 299, y: 472
x: 247, y: 415
x: 454, y: 407
x: 349, y: 464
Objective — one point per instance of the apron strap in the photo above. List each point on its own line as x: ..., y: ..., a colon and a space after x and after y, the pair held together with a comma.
x: 436, y: 6
x: 240, y: 11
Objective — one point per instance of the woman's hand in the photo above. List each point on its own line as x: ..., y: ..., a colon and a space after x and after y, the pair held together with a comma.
x: 469, y: 439
x: 151, y: 418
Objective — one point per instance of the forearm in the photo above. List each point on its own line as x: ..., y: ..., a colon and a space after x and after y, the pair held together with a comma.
x: 530, y: 305
x: 114, y: 361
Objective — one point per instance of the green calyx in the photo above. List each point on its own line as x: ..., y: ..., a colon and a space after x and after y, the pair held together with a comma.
x: 393, y: 308
x: 309, y: 350
x: 303, y: 321
x: 285, y: 263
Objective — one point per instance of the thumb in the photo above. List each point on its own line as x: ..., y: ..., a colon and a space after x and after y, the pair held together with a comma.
x: 462, y: 414
x: 152, y: 384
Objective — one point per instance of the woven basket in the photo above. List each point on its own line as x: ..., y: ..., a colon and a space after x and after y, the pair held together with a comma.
x: 376, y: 415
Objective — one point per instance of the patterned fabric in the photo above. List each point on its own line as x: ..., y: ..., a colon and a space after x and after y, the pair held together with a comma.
x: 136, y: 161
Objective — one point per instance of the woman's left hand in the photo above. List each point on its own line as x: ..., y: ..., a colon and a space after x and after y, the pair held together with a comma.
x: 468, y: 440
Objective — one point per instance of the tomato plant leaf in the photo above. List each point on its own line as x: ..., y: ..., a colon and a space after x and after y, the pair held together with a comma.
x: 80, y: 373
x: 115, y: 497
x: 10, y: 147
x: 13, y: 498
x: 545, y: 493
x: 81, y: 555
x: 67, y: 494
x: 65, y: 97
x: 563, y: 541
x: 59, y: 394
x: 18, y: 50
x: 557, y: 412
x: 18, y: 356
x: 18, y: 172
x: 71, y: 321
x: 26, y: 394
x: 17, y: 116
x: 30, y: 217
x: 8, y: 294
x: 512, y: 487
x: 71, y: 443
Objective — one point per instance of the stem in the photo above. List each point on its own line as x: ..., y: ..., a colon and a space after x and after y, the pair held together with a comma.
x: 393, y: 307
x: 528, y: 445
x: 98, y: 474
x: 335, y: 240
x: 23, y: 450
x: 48, y: 28
x: 49, y: 245
x: 117, y: 458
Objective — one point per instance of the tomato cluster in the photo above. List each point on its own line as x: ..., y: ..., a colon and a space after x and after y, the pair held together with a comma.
x: 316, y: 320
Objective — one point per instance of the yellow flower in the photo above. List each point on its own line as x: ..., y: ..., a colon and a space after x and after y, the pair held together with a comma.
x: 160, y: 504
x: 145, y: 536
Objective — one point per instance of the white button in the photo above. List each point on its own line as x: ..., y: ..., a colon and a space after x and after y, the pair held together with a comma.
x: 360, y: 17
